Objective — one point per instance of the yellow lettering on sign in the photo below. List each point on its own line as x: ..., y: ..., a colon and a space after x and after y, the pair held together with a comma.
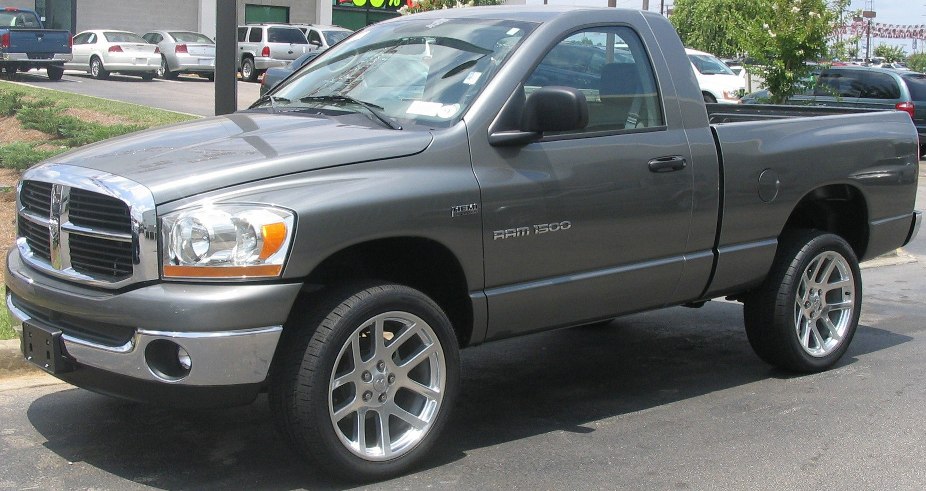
x: 377, y: 3
x: 360, y: 3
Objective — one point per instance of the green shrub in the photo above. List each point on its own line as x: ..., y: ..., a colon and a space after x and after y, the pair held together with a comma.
x: 10, y: 102
x: 22, y: 155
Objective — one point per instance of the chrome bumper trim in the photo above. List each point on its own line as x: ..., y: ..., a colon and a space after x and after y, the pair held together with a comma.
x: 218, y: 358
x: 915, y: 227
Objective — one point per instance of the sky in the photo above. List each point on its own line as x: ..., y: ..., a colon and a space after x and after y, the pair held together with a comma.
x: 902, y: 12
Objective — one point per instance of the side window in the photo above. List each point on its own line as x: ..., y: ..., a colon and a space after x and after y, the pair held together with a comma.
x: 839, y: 83
x: 880, y: 86
x: 82, y: 38
x: 92, y: 38
x: 256, y: 35
x: 610, y: 66
x: 242, y: 34
x: 315, y: 38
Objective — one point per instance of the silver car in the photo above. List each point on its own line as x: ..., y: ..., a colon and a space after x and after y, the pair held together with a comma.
x: 262, y: 46
x: 184, y: 52
x: 101, y: 52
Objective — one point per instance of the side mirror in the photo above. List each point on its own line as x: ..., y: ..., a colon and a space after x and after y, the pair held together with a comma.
x: 316, y: 42
x: 547, y: 109
x: 555, y: 109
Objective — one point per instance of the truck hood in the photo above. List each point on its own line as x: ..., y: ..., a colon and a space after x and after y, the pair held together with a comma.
x: 190, y: 158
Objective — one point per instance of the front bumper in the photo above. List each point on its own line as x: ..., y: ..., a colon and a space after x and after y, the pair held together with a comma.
x: 229, y: 331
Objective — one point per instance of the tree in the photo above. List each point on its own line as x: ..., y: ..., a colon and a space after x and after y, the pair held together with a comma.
x: 712, y: 25
x: 917, y: 62
x: 890, y: 53
x: 415, y: 6
x: 783, y: 38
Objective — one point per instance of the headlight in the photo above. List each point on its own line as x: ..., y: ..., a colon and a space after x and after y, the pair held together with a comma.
x: 226, y: 242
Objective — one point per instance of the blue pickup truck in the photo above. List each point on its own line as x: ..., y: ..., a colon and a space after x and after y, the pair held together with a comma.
x: 26, y: 44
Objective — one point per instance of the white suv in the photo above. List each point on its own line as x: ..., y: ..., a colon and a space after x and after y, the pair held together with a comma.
x: 717, y: 81
x: 262, y: 46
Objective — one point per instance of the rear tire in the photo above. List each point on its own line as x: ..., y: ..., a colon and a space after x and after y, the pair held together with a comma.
x: 97, y: 70
x: 54, y: 72
x: 805, y: 314
x: 164, y: 70
x: 148, y: 76
x: 366, y: 355
x: 248, y: 72
x: 708, y: 98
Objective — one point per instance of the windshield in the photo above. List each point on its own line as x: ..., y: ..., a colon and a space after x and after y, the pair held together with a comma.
x: 415, y: 71
x: 335, y: 37
x: 710, y: 65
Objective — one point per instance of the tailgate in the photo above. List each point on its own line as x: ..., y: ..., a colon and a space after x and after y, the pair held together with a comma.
x: 39, y: 41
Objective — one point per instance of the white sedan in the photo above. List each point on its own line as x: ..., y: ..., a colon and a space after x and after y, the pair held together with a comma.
x: 101, y: 52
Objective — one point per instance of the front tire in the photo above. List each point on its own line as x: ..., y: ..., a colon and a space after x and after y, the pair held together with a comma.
x: 164, y: 70
x: 363, y: 386
x: 708, y: 98
x: 806, y: 312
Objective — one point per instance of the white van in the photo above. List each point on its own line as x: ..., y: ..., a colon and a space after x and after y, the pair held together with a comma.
x: 717, y: 81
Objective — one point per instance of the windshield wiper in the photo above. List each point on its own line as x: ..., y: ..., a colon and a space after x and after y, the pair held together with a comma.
x: 271, y: 99
x: 376, y: 111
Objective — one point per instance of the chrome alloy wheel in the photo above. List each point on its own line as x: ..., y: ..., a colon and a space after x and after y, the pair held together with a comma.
x: 824, y: 303
x: 387, y: 385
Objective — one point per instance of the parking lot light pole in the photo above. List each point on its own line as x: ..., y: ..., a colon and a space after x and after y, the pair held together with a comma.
x: 226, y: 70
x: 868, y: 14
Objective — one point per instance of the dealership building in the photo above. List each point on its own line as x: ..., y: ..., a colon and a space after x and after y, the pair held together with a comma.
x: 141, y: 16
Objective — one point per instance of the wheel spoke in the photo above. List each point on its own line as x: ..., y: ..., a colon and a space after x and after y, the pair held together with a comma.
x: 361, y: 430
x: 379, y: 345
x: 830, y: 266
x: 347, y: 378
x: 804, y: 331
x: 422, y: 390
x: 836, y: 285
x: 844, y: 305
x: 355, y: 351
x: 816, y: 271
x: 404, y: 336
x: 401, y: 413
x: 816, y: 336
x: 417, y: 358
x: 385, y: 440
x: 354, y: 405
x: 834, y: 334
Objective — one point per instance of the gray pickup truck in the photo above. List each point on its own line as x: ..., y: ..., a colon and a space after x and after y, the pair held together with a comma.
x: 26, y: 44
x: 439, y: 181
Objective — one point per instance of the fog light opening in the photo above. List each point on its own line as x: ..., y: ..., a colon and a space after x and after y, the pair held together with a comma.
x: 168, y: 360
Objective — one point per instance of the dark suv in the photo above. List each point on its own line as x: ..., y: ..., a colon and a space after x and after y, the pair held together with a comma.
x: 864, y: 87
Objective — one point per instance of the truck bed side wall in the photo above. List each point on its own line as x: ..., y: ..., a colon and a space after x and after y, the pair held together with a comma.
x: 804, y: 155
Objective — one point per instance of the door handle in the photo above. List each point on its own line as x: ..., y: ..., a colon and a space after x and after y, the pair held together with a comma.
x: 671, y: 163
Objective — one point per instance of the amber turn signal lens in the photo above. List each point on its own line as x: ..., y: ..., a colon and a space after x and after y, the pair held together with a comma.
x: 274, y: 235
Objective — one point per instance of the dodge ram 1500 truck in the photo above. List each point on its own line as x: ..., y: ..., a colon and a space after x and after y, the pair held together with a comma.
x: 26, y: 44
x: 438, y: 181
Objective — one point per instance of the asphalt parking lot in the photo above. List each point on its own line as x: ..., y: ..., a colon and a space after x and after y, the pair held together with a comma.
x: 187, y: 94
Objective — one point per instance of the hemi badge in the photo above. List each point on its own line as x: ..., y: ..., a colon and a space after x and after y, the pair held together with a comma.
x: 463, y: 210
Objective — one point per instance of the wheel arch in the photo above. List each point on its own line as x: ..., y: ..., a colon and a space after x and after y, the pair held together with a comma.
x: 421, y: 263
x: 835, y: 209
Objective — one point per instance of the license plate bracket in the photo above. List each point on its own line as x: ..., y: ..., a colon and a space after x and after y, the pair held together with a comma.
x: 42, y: 346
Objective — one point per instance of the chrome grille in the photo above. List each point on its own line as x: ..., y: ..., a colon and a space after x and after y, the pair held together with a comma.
x: 97, y: 211
x: 36, y: 197
x: 87, y: 226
